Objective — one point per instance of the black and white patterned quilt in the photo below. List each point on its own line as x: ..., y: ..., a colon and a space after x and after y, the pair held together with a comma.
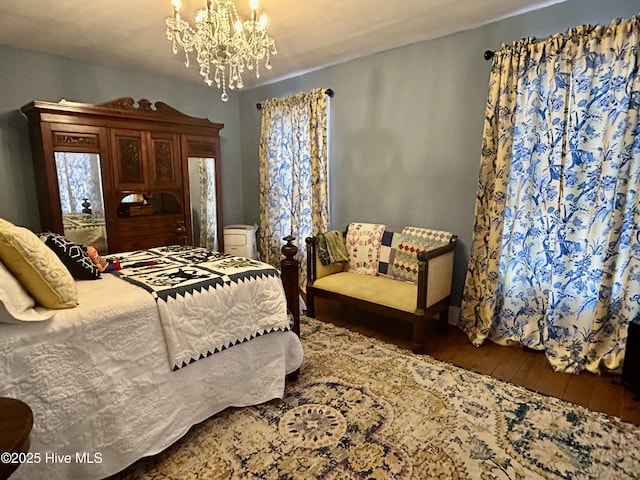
x: 207, y: 301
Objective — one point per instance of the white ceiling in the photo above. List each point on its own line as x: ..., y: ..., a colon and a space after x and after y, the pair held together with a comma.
x: 309, y: 34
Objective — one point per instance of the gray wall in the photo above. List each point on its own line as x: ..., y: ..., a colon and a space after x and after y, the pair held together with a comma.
x: 27, y: 76
x: 406, y: 125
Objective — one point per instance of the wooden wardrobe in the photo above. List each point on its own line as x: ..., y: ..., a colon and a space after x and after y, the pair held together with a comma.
x: 144, y: 153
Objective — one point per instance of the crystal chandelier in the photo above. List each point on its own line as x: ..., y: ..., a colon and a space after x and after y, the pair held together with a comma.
x: 223, y: 42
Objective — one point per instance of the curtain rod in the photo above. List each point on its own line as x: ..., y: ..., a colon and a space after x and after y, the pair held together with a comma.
x: 328, y: 91
x: 488, y: 54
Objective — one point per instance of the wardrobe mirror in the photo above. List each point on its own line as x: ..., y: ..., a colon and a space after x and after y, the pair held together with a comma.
x: 204, y: 208
x: 81, y: 198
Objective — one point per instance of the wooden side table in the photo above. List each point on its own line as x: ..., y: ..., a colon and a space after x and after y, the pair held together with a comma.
x: 16, y: 420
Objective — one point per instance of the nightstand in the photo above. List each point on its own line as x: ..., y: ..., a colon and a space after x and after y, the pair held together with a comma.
x: 16, y: 420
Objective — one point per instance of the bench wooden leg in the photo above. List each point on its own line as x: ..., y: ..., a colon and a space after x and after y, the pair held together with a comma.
x: 311, y: 308
x: 443, y: 319
x: 419, y: 325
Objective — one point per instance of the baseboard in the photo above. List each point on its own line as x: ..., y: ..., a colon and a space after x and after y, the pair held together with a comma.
x: 454, y: 315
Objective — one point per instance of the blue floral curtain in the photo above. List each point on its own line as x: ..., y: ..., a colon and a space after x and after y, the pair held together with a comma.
x: 555, y: 257
x: 293, y: 173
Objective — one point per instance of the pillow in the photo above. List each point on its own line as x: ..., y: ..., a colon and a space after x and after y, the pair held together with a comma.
x: 414, y: 240
x: 73, y: 256
x: 38, y: 269
x: 16, y: 305
x: 388, y: 247
x: 363, y: 247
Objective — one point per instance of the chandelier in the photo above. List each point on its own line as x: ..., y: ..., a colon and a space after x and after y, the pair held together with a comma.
x: 223, y: 42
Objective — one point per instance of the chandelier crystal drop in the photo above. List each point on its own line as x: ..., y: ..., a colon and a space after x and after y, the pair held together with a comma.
x: 223, y: 42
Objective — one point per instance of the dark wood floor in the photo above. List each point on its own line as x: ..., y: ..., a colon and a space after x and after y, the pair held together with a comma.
x: 528, y: 368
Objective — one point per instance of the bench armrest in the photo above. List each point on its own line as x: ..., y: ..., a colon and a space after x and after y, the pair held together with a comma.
x: 311, y: 259
x: 315, y: 268
x: 429, y: 254
x: 435, y: 274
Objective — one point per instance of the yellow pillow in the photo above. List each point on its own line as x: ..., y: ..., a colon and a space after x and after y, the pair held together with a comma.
x: 37, y: 267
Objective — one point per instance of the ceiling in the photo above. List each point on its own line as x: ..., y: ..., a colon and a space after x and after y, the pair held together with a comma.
x: 309, y: 34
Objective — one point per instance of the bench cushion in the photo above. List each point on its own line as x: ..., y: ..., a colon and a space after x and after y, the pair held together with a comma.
x: 375, y: 289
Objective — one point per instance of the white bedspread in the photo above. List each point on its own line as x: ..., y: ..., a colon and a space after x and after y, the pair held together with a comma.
x: 97, y: 380
x: 208, y: 301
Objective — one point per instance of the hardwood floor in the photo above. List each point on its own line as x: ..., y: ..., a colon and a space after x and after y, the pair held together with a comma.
x: 528, y: 368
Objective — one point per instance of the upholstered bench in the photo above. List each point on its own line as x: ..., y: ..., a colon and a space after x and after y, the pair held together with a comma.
x: 403, y: 274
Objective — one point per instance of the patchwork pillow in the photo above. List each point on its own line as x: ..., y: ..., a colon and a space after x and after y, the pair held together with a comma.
x: 388, y: 247
x: 36, y: 267
x: 413, y: 241
x: 73, y: 256
x: 363, y: 247
x: 16, y: 305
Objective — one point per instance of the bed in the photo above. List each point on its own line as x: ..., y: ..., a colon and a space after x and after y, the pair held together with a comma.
x: 103, y: 384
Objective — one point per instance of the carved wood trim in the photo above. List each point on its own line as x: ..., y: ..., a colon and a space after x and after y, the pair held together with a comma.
x: 123, y: 107
x: 75, y: 139
x: 122, y: 103
x: 144, y: 105
x: 163, y: 160
x: 130, y: 160
x: 205, y: 149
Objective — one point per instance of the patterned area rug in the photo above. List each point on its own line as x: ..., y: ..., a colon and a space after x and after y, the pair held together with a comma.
x: 365, y: 409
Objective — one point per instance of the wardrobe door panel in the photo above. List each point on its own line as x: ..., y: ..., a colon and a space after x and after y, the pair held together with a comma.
x: 203, y: 182
x: 129, y: 160
x: 164, y: 167
x: 75, y: 158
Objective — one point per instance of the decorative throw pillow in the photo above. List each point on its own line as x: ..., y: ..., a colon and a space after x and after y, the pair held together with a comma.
x: 16, y: 305
x: 363, y: 247
x: 388, y: 247
x: 413, y: 241
x: 38, y: 269
x: 73, y: 256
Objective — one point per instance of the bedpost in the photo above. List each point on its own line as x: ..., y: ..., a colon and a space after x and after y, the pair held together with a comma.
x: 289, y: 268
x: 311, y: 275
